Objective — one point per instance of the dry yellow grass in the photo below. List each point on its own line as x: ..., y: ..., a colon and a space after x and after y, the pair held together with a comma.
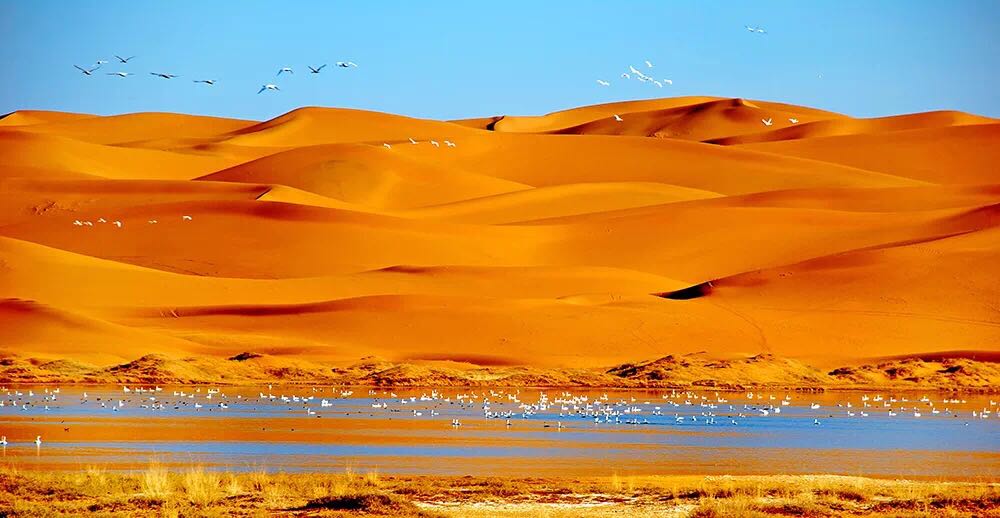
x: 197, y: 491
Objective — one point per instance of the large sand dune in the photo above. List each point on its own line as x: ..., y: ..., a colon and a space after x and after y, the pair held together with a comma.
x: 563, y: 240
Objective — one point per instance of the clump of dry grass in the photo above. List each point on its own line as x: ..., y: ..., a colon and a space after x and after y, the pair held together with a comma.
x: 155, y: 481
x: 201, y: 487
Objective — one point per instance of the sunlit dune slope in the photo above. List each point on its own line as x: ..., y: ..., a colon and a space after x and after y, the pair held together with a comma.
x: 962, y: 154
x: 842, y: 126
x: 366, y: 175
x: 565, y: 240
x: 54, y: 333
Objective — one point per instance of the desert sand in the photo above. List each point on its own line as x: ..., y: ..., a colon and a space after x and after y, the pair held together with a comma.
x: 564, y: 241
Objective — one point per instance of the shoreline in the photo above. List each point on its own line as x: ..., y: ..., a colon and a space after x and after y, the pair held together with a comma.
x: 193, y: 490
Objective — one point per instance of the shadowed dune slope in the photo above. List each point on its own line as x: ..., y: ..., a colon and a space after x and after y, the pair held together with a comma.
x: 568, y: 240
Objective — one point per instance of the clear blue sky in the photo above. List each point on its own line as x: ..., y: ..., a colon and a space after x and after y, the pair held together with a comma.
x: 463, y: 59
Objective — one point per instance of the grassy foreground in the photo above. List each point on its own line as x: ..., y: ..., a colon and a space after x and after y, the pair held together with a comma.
x: 195, y: 491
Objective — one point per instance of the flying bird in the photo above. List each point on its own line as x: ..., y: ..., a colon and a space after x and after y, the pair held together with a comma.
x: 87, y: 71
x: 618, y: 118
x: 120, y: 74
x: 186, y: 218
x: 648, y: 64
x: 164, y: 76
x: 285, y: 69
x: 793, y: 120
x: 668, y: 81
x: 101, y: 62
x: 386, y: 145
x: 657, y: 83
x: 315, y: 70
x: 206, y: 81
x: 767, y: 122
x: 603, y: 83
x: 412, y: 141
x: 626, y: 76
x: 268, y: 87
x: 345, y: 64
x: 449, y: 143
x: 124, y: 60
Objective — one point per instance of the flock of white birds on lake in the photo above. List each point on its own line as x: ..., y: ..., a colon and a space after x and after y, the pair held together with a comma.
x: 267, y: 87
x: 531, y: 409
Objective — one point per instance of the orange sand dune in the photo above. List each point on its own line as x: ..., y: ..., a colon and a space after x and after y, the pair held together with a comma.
x: 30, y: 117
x: 131, y: 127
x: 564, y: 240
x: 98, y: 285
x: 312, y: 126
x: 719, y: 111
x: 52, y: 333
x: 543, y: 160
x: 963, y: 154
x: 39, y: 151
x: 834, y: 127
x: 912, y: 296
x: 366, y: 175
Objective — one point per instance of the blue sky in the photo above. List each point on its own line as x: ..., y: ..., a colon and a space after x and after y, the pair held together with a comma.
x: 463, y: 59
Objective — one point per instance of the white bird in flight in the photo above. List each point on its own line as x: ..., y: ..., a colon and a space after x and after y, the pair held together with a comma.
x: 618, y: 118
x: 345, y: 64
x: 285, y: 69
x: 206, y: 81
x: 117, y: 224
x: 603, y: 83
x: 101, y: 62
x: 268, y: 87
x: 668, y: 81
x: 435, y: 143
x: 793, y: 120
x: 449, y: 143
x: 767, y: 122
x: 120, y: 74
x: 152, y: 222
x: 164, y: 76
x: 87, y: 71
x: 315, y: 70
x: 186, y: 218
x: 412, y: 141
x: 626, y: 76
x: 657, y: 83
x: 386, y: 145
x: 123, y: 60
x: 648, y: 64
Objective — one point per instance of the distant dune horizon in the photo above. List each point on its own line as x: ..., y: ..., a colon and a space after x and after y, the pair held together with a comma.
x: 584, y: 238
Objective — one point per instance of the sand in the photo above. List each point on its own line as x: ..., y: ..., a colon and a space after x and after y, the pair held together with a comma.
x: 552, y: 242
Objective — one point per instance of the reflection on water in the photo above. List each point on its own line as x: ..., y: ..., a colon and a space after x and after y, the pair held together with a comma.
x: 518, y: 432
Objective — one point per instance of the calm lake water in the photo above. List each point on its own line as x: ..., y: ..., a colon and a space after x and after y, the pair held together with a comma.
x: 504, y: 432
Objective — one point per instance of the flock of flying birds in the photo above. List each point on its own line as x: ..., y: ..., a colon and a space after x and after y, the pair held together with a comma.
x: 89, y: 71
x: 634, y: 73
